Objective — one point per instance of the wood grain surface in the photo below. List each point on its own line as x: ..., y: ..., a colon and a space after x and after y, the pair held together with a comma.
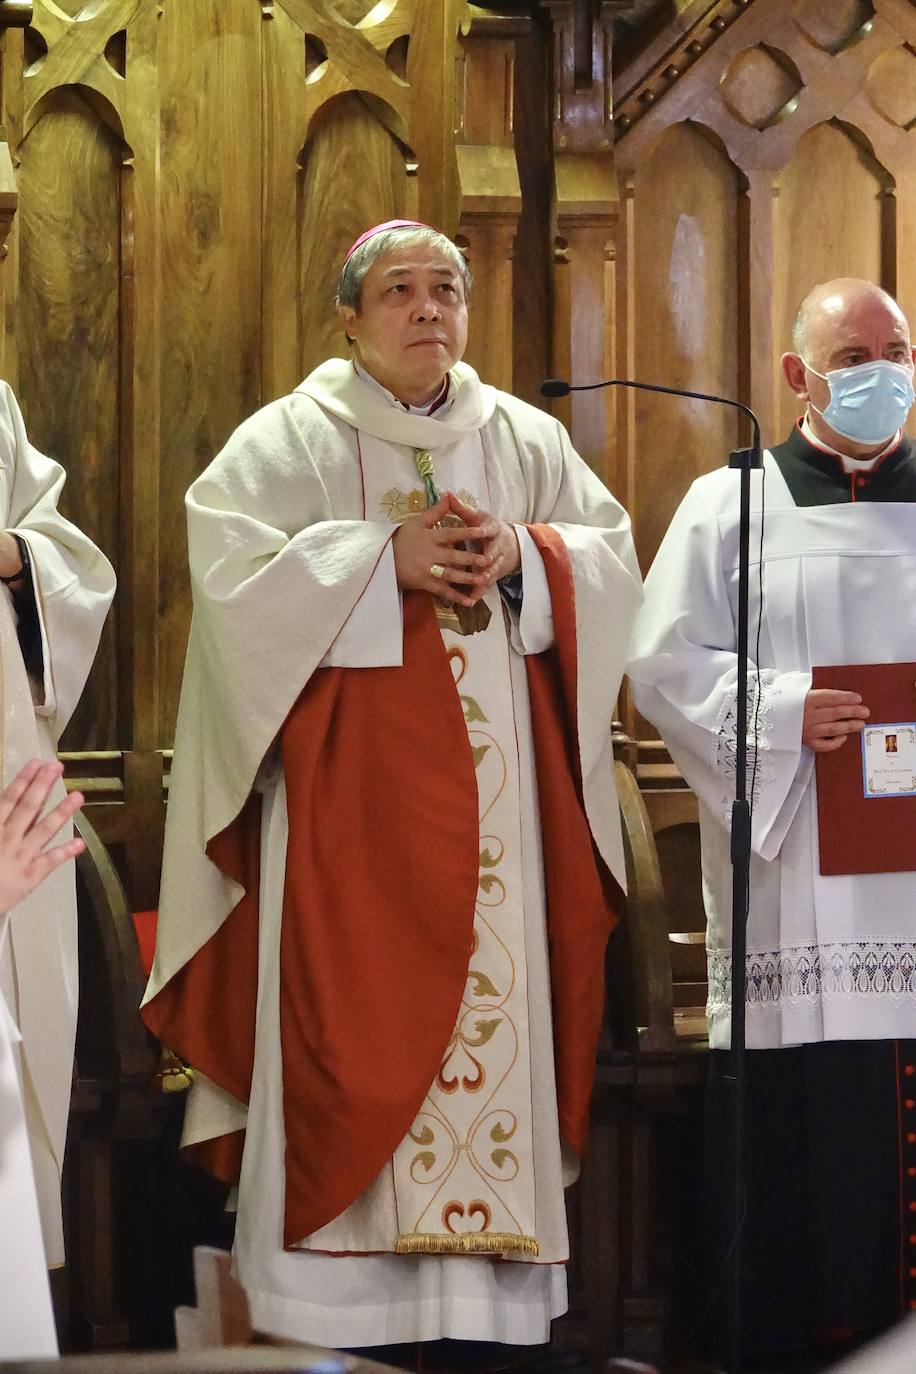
x: 67, y: 338
x: 210, y: 209
x: 687, y: 333
x: 188, y: 181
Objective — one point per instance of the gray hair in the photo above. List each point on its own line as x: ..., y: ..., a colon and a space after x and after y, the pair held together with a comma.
x: 350, y: 286
x: 800, y: 330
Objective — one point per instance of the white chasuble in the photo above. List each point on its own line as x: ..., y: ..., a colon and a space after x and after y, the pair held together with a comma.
x: 292, y: 568
x: 480, y: 1171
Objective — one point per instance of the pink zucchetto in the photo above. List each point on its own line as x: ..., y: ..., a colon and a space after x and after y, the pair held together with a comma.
x: 383, y: 229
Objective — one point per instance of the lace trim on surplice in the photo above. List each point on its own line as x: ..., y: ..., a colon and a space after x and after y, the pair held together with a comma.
x: 856, y: 968
x: 760, y: 766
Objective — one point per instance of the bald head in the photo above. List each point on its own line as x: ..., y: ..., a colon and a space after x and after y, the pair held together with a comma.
x: 841, y: 316
x: 842, y: 324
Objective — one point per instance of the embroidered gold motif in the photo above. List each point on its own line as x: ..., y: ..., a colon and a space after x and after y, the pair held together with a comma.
x: 457, y: 655
x: 487, y: 858
x: 477, y: 1208
x: 472, y: 1141
x: 463, y: 1043
x: 491, y: 1243
x: 464, y: 1173
x: 397, y: 505
x: 472, y: 711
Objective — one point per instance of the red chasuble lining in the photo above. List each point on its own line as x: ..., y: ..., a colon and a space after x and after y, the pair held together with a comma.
x: 583, y: 899
x: 206, y: 1012
x: 384, y: 840
x: 381, y: 879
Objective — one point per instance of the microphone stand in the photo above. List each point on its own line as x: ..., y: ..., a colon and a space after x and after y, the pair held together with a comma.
x: 743, y: 460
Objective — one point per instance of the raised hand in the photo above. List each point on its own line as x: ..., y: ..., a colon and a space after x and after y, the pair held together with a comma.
x: 830, y: 717
x: 24, y: 833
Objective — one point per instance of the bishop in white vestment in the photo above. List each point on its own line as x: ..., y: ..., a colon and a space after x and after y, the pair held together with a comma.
x: 414, y: 716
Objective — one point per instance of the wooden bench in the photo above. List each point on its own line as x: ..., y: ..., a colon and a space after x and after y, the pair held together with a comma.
x: 648, y: 1090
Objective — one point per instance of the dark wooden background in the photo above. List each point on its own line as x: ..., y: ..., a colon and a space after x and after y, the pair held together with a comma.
x: 187, y: 174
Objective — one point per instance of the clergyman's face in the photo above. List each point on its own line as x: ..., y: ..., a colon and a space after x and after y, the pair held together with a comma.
x: 851, y: 325
x: 843, y: 335
x: 412, y: 324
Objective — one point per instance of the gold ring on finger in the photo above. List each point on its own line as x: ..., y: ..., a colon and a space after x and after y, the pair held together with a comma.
x: 437, y: 570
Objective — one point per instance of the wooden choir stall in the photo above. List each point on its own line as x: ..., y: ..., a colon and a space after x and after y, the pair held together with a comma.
x: 643, y: 188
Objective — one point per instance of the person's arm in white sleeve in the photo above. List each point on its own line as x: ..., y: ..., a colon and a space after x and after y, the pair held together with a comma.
x: 373, y: 634
x: 683, y: 672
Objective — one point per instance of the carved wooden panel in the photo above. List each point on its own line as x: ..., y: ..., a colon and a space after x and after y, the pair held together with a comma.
x: 210, y: 162
x: 819, y: 237
x: 685, y: 200
x: 191, y: 172
x: 811, y: 106
x: 67, y: 309
x: 347, y: 145
x: 491, y: 198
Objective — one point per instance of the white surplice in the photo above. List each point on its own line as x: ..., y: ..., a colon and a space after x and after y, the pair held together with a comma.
x: 74, y: 584
x: 290, y: 535
x: 829, y: 958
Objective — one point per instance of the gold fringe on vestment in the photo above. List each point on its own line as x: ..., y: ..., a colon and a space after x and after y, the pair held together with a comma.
x: 468, y: 1243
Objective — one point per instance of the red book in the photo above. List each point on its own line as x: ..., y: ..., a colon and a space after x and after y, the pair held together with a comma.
x: 860, y: 834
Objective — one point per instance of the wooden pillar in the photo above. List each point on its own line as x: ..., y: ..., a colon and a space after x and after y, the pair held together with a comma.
x: 763, y: 346
x: 584, y: 251
x: 141, y: 393
x: 491, y: 205
x: 433, y: 50
x: 14, y: 14
x: 585, y: 220
x: 8, y: 202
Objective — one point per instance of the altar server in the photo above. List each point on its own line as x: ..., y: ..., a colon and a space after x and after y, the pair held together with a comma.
x: 830, y: 980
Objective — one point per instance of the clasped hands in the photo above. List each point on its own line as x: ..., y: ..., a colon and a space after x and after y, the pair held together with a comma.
x: 422, y: 546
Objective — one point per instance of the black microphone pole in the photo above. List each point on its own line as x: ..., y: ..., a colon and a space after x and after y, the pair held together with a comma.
x: 742, y: 459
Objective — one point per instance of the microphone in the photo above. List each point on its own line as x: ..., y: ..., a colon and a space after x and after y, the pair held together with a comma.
x: 743, y: 460
x: 554, y: 387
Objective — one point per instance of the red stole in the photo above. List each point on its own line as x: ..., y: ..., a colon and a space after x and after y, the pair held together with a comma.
x: 381, y: 879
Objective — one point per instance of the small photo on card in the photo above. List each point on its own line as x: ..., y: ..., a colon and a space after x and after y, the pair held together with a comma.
x: 889, y: 759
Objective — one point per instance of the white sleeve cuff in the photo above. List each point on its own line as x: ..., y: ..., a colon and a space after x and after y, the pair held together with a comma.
x: 531, y: 627
x: 373, y: 634
x: 784, y: 765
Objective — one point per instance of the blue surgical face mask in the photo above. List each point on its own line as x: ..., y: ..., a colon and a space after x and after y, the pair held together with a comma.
x: 868, y: 402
